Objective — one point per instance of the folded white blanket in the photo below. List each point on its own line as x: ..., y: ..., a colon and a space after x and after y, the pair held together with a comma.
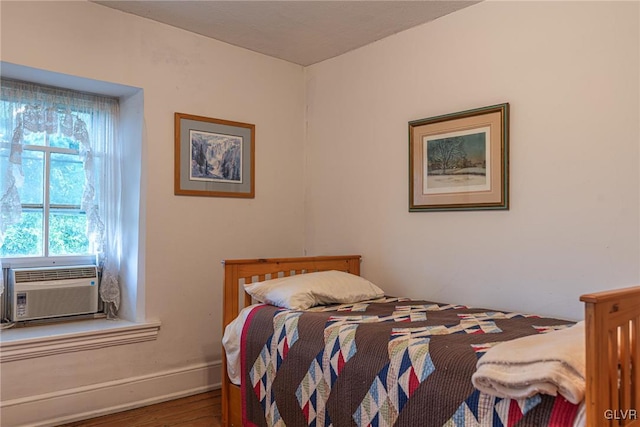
x: 551, y: 363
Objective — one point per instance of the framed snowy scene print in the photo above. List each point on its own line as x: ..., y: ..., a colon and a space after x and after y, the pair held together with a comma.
x: 460, y: 161
x: 214, y: 157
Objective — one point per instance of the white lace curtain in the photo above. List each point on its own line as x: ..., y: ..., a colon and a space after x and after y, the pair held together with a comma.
x: 37, y: 108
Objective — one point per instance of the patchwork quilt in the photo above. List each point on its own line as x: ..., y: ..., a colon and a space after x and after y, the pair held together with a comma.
x: 392, y: 362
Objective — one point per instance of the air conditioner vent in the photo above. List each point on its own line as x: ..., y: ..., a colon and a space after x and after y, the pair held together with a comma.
x: 46, y: 274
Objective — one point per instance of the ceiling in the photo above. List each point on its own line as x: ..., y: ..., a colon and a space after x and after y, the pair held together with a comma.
x: 302, y: 32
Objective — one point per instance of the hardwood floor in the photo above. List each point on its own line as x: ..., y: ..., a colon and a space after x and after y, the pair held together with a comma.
x: 200, y: 410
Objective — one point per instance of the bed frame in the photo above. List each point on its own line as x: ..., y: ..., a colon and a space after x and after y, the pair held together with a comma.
x: 612, y: 320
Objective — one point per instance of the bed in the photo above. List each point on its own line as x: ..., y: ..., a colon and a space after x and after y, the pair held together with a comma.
x: 612, y: 322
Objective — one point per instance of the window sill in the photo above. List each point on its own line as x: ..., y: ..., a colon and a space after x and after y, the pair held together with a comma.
x: 47, y: 340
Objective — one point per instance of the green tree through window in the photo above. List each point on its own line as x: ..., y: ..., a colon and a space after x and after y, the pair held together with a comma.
x: 52, y: 221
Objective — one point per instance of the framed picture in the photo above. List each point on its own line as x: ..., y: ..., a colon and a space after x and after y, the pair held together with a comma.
x: 214, y: 157
x: 460, y: 161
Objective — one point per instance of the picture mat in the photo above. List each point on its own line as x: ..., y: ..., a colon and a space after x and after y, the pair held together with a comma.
x: 186, y: 125
x: 492, y: 196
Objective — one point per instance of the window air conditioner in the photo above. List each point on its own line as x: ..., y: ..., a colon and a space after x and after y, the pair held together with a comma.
x: 40, y: 293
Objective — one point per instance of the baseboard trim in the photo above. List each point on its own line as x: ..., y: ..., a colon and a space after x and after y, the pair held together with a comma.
x: 65, y: 406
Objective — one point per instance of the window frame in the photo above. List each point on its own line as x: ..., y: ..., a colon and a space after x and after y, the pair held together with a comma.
x: 47, y: 207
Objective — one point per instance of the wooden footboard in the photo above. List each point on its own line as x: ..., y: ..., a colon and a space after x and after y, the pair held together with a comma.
x: 612, y: 320
x: 239, y: 272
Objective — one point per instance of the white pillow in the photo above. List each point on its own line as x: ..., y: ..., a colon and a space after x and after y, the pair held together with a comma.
x: 303, y: 291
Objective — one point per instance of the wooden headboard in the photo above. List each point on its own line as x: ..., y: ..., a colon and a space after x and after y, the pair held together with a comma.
x: 257, y: 270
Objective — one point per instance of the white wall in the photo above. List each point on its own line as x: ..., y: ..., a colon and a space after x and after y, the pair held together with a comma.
x: 186, y: 237
x: 570, y: 73
x: 569, y: 70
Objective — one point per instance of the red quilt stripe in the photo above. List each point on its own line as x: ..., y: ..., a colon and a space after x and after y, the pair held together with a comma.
x: 243, y: 364
x: 515, y: 413
x: 414, y: 382
x: 305, y: 411
x: 340, y: 362
x: 563, y: 413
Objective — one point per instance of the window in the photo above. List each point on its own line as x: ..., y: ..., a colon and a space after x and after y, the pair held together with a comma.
x: 53, y: 222
x: 60, y: 178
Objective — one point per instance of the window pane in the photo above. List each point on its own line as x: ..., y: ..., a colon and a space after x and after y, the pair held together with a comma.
x: 67, y: 179
x: 25, y: 237
x: 4, y: 165
x: 33, y: 138
x: 63, y: 142
x: 67, y: 233
x: 6, y: 116
x: 32, y: 191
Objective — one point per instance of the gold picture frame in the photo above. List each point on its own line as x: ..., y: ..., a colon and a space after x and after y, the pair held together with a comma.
x: 213, y: 157
x: 460, y: 161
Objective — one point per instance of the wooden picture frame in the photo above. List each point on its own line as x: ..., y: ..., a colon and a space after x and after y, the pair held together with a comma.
x: 460, y: 161
x: 214, y: 157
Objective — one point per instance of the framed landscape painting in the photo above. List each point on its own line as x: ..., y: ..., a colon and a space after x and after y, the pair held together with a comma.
x: 460, y: 161
x: 213, y: 157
